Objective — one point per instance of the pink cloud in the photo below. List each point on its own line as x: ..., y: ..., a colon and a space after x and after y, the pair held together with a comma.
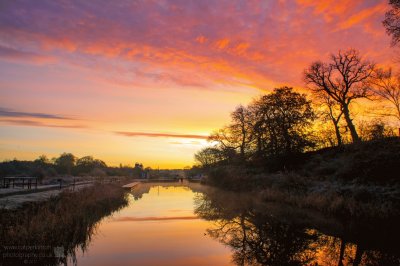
x: 12, y: 54
x: 198, y: 44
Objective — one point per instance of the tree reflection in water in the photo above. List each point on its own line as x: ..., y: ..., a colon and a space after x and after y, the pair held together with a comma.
x: 262, y: 233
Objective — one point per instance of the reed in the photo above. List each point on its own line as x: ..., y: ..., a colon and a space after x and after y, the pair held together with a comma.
x: 68, y: 221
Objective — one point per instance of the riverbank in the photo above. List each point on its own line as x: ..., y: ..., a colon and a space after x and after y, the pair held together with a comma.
x: 356, y: 180
x: 63, y: 221
x: 14, y: 197
x: 275, y: 233
x: 19, y: 198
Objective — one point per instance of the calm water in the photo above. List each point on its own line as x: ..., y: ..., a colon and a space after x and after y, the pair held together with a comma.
x: 192, y: 224
x: 159, y: 227
x: 173, y: 224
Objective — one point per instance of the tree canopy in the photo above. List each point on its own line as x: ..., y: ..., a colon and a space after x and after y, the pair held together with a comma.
x: 274, y: 124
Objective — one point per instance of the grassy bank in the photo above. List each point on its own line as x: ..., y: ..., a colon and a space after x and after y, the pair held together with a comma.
x: 68, y: 220
x: 356, y: 180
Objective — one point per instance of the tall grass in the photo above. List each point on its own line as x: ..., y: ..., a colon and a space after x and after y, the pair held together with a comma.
x: 334, y: 197
x: 68, y: 220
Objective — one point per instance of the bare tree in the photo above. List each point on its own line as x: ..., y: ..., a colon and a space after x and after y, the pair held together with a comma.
x: 344, y: 79
x: 333, y: 113
x: 387, y: 87
x: 208, y: 156
x: 237, y: 135
x: 241, y: 128
x: 392, y: 21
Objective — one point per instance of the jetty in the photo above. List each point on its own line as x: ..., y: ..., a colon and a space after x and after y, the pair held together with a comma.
x: 131, y: 185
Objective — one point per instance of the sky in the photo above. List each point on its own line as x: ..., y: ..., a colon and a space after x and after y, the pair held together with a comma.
x: 147, y: 81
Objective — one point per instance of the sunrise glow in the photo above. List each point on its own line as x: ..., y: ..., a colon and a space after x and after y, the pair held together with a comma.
x: 148, y: 81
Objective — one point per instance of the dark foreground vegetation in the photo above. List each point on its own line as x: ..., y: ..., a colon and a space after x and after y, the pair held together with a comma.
x: 45, y: 233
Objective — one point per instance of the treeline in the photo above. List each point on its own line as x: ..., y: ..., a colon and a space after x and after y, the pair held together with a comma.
x: 284, y: 123
x: 65, y: 164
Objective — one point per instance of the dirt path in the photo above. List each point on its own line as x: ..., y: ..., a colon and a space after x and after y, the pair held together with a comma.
x: 15, y: 201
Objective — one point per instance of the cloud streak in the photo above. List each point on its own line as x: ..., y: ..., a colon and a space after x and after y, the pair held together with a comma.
x: 33, y: 123
x: 17, y: 55
x: 4, y: 112
x: 160, y: 135
x: 33, y: 119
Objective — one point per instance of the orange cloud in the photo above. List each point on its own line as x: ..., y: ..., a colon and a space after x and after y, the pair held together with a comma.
x: 201, y: 39
x: 363, y: 15
x: 221, y: 44
x: 254, y: 47
x: 241, y: 48
x: 330, y: 8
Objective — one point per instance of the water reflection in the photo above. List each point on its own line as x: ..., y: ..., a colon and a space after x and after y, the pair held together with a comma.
x: 158, y: 228
x: 178, y: 224
x: 144, y: 188
x: 271, y: 234
x: 49, y: 233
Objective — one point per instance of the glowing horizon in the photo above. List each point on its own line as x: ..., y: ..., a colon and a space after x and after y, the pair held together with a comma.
x: 148, y: 81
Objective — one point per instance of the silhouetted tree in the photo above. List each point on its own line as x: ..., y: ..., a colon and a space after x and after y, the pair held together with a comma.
x: 386, y: 86
x: 392, y: 21
x: 275, y: 124
x: 65, y: 163
x: 87, y: 164
x: 237, y: 135
x: 209, y: 156
x: 345, y: 78
x: 332, y: 112
x: 375, y: 130
x: 42, y: 160
x: 241, y: 129
x: 282, y: 120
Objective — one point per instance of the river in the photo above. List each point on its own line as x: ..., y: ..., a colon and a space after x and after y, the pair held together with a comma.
x: 158, y: 227
x: 190, y: 224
